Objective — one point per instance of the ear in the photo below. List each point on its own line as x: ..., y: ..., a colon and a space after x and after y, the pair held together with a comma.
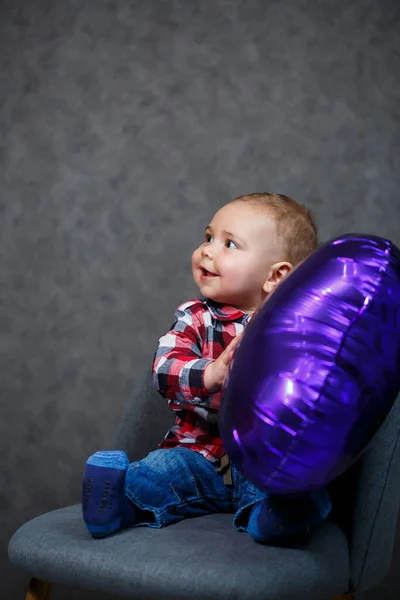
x: 277, y: 273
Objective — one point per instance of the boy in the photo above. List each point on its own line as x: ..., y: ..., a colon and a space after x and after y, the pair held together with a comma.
x: 250, y: 245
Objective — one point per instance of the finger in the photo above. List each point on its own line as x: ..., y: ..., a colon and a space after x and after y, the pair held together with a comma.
x: 229, y: 351
x: 234, y: 342
x: 225, y: 356
x: 232, y: 352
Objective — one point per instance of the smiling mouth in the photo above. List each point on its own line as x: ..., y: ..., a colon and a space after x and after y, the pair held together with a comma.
x: 204, y: 274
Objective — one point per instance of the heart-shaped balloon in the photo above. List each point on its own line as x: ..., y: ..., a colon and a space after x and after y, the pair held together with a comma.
x: 317, y: 369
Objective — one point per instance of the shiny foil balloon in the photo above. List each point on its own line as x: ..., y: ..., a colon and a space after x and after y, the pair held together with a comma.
x: 317, y: 369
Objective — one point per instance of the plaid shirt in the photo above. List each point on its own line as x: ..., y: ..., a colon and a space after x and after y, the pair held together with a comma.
x: 201, y: 331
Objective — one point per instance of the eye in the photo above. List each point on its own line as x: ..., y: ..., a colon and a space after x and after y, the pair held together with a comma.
x: 228, y: 244
x: 208, y: 237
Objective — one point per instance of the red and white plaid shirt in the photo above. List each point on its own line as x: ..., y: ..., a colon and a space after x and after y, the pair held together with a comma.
x: 201, y: 331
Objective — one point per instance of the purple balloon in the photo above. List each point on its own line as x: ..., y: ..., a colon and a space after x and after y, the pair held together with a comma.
x: 317, y: 369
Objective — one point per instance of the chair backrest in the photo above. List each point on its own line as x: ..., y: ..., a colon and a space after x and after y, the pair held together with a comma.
x: 145, y: 421
x: 366, y: 501
x: 366, y: 498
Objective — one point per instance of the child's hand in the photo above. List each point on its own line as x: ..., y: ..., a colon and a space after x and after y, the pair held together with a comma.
x: 216, y: 371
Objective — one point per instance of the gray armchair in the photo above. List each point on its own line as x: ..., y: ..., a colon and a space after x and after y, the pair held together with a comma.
x: 205, y: 557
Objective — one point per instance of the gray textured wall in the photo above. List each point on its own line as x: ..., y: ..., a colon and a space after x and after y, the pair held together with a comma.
x: 124, y: 125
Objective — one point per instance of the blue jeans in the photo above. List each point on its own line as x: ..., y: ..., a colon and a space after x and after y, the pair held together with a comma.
x: 170, y: 485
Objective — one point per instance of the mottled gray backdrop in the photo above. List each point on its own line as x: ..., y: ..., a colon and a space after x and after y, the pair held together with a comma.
x: 123, y: 126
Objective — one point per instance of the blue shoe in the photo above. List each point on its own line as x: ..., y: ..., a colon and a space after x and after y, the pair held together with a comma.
x: 105, y: 508
x: 277, y: 517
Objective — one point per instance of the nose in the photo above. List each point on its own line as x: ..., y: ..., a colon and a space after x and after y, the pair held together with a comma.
x: 206, y: 251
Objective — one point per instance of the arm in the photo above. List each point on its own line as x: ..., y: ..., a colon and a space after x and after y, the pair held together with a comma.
x: 178, y: 367
x: 180, y: 373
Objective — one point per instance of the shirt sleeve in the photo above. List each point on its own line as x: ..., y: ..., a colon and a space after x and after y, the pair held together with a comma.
x: 178, y: 367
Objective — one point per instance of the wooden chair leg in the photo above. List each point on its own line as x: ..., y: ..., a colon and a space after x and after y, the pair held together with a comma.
x: 38, y: 590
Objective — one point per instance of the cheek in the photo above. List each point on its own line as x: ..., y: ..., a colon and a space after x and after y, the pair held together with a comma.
x: 196, y: 256
x: 241, y: 271
x: 232, y: 267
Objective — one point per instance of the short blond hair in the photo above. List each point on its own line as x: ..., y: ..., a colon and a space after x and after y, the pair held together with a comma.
x: 296, y: 227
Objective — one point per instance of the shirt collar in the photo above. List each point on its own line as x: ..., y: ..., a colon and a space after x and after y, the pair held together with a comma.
x: 224, y: 312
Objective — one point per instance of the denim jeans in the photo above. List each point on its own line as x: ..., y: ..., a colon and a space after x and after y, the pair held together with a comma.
x: 170, y: 485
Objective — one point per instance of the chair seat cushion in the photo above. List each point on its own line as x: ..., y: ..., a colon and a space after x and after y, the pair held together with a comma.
x: 197, y: 558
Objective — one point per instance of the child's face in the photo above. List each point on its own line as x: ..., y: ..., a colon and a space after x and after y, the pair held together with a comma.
x: 233, y: 263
